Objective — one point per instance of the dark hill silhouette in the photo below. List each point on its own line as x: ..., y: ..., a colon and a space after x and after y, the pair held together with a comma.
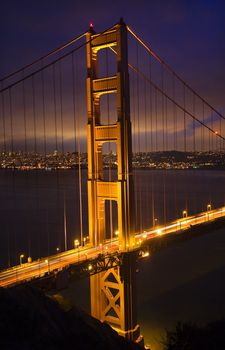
x: 31, y: 320
x: 188, y: 336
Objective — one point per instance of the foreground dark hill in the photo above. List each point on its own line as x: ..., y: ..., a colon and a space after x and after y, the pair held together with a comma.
x: 188, y: 336
x: 31, y: 320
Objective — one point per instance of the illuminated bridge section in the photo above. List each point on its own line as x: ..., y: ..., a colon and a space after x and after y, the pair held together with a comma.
x: 96, y: 259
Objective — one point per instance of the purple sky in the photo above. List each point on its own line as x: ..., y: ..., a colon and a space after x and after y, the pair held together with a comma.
x: 188, y: 35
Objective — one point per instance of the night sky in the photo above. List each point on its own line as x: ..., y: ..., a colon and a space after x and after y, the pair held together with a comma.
x: 189, y: 35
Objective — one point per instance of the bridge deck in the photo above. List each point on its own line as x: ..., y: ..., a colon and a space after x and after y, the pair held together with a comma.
x: 55, y: 263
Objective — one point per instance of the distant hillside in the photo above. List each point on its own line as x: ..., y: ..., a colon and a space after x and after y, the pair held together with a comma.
x: 31, y: 320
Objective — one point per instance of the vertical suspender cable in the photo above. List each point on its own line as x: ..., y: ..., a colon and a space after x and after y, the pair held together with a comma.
x: 43, y: 111
x: 25, y: 154
x: 109, y: 146
x: 13, y: 175
x: 24, y: 117
x: 163, y: 145
x: 134, y: 147
x: 174, y: 143
x: 194, y: 143
x: 78, y: 138
x: 65, y: 221
x: 186, y: 177
x: 62, y: 135
x: 58, y: 208
x: 220, y: 145
x: 4, y: 156
x: 61, y: 108
x: 3, y: 122
x: 147, y: 199
x: 34, y: 118
x: 44, y: 126
x: 11, y: 121
x: 194, y: 129
x: 156, y: 121
x: 35, y: 145
x: 139, y: 144
x: 55, y: 113
x: 151, y: 144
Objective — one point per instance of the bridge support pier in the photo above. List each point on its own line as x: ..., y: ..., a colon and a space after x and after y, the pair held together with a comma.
x: 113, y: 298
x: 113, y: 293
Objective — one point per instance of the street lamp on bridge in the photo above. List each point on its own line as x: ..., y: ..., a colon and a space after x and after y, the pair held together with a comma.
x: 47, y: 262
x: 209, y: 208
x: 76, y: 243
x: 185, y: 213
x: 21, y: 258
x: 76, y: 246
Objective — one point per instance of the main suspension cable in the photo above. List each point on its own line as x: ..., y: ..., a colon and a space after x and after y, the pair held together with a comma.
x: 175, y: 102
x: 157, y: 57
x: 53, y: 62
x: 40, y: 59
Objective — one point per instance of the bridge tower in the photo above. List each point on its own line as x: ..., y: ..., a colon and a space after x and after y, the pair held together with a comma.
x: 113, y: 297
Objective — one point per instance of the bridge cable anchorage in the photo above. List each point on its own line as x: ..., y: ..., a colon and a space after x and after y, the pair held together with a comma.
x: 157, y: 57
x: 51, y: 63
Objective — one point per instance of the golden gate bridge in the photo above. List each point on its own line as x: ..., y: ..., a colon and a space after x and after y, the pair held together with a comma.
x: 144, y: 123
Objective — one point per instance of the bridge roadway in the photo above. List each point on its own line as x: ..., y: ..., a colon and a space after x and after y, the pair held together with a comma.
x: 39, y: 268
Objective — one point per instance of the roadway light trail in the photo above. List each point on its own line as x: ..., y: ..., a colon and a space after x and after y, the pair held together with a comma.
x: 39, y: 268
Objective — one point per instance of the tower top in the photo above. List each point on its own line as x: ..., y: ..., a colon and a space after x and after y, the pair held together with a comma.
x: 121, y: 21
x: 91, y: 27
